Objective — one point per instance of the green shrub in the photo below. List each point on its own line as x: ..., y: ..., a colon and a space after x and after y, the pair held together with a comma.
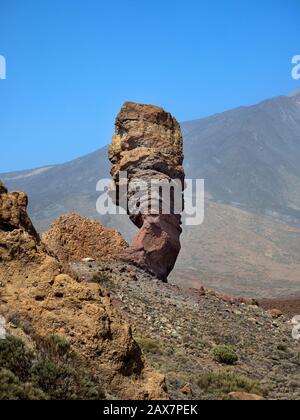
x: 14, y: 356
x: 148, y: 345
x: 52, y: 371
x: 62, y: 382
x: 225, y: 354
x: 282, y: 347
x: 11, y: 388
x: 54, y: 346
x: 100, y: 277
x: 220, y: 384
x: 54, y: 379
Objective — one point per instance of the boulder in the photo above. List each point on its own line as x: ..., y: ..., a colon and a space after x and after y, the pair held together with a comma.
x: 13, y: 212
x: 75, y: 238
x: 187, y: 390
x: 2, y: 328
x: 243, y: 396
x: 275, y: 313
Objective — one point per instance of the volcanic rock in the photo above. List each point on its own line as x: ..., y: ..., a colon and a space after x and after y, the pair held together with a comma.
x: 275, y: 313
x: 75, y: 238
x: 3, y: 190
x: 147, y: 145
x: 187, y: 390
x: 36, y: 290
x: 13, y: 212
x: 243, y: 396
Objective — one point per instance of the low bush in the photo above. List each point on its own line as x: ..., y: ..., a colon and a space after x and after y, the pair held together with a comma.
x: 15, y: 357
x: 282, y: 347
x: 220, y: 384
x: 148, y: 345
x: 225, y: 354
x: 11, y: 388
x: 100, y: 278
x: 52, y: 371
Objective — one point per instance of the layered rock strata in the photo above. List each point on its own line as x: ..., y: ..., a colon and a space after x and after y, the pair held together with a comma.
x: 147, y: 146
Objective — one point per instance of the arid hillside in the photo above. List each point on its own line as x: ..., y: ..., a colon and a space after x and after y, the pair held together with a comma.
x: 240, y: 253
x: 206, y: 344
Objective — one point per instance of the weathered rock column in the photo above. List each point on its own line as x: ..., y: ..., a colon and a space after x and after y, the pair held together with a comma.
x: 13, y: 212
x: 147, y: 145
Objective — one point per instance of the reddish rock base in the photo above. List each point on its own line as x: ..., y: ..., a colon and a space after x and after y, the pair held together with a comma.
x: 156, y: 245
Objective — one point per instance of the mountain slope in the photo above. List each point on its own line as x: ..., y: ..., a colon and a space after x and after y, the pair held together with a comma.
x: 240, y: 253
x: 250, y: 155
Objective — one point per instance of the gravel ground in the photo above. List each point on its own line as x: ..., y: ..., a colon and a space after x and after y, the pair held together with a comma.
x: 178, y: 329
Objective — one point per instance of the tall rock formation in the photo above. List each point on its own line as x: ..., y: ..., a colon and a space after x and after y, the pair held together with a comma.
x: 13, y: 212
x: 148, y: 146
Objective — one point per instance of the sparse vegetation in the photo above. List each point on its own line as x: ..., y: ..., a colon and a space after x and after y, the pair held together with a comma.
x: 54, y: 345
x: 225, y: 354
x: 100, y: 277
x: 148, y: 345
x: 181, y: 331
x: 51, y: 371
x: 220, y: 384
x: 282, y: 347
x: 15, y: 357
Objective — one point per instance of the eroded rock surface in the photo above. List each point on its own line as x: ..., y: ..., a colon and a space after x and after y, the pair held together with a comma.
x: 147, y: 145
x: 73, y: 237
x: 36, y: 289
x: 13, y: 212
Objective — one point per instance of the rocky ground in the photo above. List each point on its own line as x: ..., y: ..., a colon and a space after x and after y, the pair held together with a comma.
x: 61, y: 337
x: 206, y: 344
x: 289, y: 306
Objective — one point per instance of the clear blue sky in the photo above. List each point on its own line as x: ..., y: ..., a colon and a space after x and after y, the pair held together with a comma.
x: 72, y: 63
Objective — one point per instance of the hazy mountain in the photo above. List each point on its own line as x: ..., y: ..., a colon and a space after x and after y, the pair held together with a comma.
x: 57, y: 189
x: 249, y: 158
x: 241, y: 253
